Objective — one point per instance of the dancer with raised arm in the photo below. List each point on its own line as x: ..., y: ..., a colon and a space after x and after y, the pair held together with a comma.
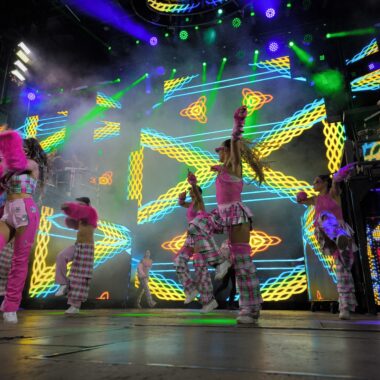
x: 233, y: 217
x: 23, y: 166
x: 334, y: 235
x: 81, y: 216
x: 201, y: 246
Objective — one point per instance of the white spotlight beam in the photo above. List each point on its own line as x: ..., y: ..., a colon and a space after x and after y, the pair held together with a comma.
x: 21, y: 66
x: 24, y: 47
x: 18, y: 75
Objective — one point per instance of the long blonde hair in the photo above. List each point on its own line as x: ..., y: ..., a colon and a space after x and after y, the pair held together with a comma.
x: 251, y: 156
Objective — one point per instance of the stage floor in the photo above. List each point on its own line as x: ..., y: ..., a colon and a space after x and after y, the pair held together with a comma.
x: 183, y: 344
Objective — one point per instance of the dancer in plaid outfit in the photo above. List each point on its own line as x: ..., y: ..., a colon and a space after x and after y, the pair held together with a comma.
x: 143, y: 275
x: 200, y: 245
x: 23, y: 165
x: 334, y: 235
x: 82, y: 217
x: 234, y: 218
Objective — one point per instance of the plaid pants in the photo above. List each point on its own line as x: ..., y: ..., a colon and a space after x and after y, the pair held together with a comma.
x: 182, y: 268
x: 202, y: 281
x: 345, y: 285
x: 246, y: 278
x: 5, y: 266
x: 144, y: 288
x: 80, y: 274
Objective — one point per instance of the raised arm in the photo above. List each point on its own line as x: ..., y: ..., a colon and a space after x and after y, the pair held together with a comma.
x: 182, y: 200
x: 192, y: 179
x: 237, y: 131
x: 341, y: 175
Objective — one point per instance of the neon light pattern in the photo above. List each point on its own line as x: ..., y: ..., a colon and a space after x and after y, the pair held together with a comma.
x: 109, y: 130
x: 169, y: 6
x: 280, y: 288
x: 280, y: 65
x: 254, y: 100
x: 293, y: 126
x: 259, y: 242
x: 367, y: 82
x: 277, y: 182
x: 111, y: 240
x: 367, y: 50
x: 196, y: 111
x: 334, y: 141
x: 310, y: 239
x: 373, y: 251
x: 105, y: 179
x: 51, y: 131
x: 172, y: 85
x: 371, y: 151
x: 104, y: 296
x: 285, y: 285
x: 106, y: 101
x: 135, y: 178
x: 31, y: 125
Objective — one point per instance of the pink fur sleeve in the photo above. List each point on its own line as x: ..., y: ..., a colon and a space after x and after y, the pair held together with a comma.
x: 80, y: 212
x: 12, y: 151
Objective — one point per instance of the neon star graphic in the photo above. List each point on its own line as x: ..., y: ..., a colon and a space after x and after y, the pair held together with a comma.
x: 196, y: 111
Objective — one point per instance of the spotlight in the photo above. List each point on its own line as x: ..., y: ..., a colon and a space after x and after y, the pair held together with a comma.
x: 236, y: 22
x: 153, y: 41
x: 291, y: 43
x: 256, y: 52
x: 21, y: 66
x: 371, y: 66
x: 224, y: 59
x: 183, y: 35
x: 137, y: 42
x: 273, y: 46
x: 31, y: 96
x: 22, y: 46
x: 204, y: 63
x: 252, y: 13
x: 23, y: 56
x: 220, y: 12
x: 270, y: 13
x: 18, y: 75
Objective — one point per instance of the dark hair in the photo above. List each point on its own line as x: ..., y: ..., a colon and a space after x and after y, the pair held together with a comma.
x: 35, y: 152
x: 326, y: 178
x: 251, y: 156
x: 85, y: 200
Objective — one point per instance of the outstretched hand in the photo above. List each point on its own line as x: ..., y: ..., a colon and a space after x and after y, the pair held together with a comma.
x: 240, y: 115
x: 191, y: 178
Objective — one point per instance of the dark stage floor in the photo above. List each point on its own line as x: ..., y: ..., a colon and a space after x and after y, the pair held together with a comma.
x: 183, y: 344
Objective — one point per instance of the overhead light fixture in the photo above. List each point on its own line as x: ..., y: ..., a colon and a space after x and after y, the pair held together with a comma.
x: 22, y: 46
x: 23, y: 56
x: 21, y: 66
x: 18, y: 75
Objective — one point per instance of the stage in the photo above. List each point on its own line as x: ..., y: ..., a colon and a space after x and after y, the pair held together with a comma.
x: 183, y: 344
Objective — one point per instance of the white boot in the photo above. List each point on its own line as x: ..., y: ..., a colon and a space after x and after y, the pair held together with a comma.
x: 61, y: 291
x: 209, y: 307
x: 344, y: 315
x: 72, y: 310
x: 10, y: 317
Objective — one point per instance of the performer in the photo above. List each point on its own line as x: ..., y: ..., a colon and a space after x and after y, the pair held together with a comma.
x: 143, y: 275
x: 200, y: 245
x: 23, y: 166
x: 334, y: 235
x: 82, y: 217
x: 234, y: 218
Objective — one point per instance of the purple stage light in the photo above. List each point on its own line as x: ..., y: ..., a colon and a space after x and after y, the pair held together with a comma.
x: 371, y: 66
x: 31, y: 96
x: 153, y: 41
x: 273, y: 46
x: 112, y: 14
x: 270, y: 12
x: 160, y: 70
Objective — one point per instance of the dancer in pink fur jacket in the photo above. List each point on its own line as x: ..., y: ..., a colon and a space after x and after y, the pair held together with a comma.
x: 23, y: 165
x: 82, y: 217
